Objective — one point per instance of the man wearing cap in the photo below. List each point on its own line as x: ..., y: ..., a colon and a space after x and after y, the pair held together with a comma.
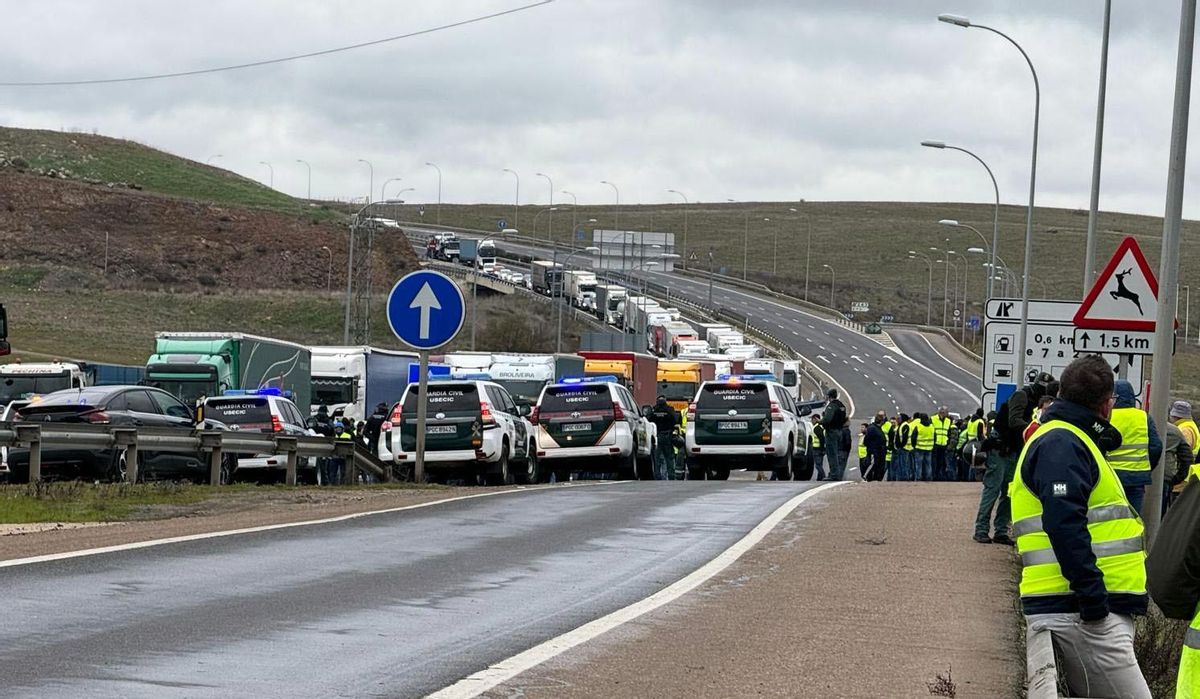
x: 834, y: 420
x: 666, y: 424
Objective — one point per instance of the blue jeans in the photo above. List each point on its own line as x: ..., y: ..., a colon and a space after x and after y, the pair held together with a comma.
x: 331, y: 471
x: 899, y: 471
x: 922, y: 465
x: 819, y: 462
x: 833, y: 450
x: 1000, y: 470
x: 664, y: 457
x: 941, y: 470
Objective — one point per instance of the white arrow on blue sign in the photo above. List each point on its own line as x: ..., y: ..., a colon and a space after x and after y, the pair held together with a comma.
x: 425, y: 309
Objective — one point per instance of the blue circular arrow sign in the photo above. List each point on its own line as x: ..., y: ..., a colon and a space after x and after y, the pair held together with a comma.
x: 425, y: 309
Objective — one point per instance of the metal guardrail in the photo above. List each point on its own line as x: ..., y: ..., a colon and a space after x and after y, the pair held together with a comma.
x: 214, y: 443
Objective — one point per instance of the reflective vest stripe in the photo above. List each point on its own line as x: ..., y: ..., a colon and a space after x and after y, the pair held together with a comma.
x: 1134, y: 452
x: 1105, y: 513
x: 1107, y: 548
x: 1192, y: 639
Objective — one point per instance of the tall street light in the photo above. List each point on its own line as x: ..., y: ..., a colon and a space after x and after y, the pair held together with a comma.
x: 591, y: 250
x: 745, y: 241
x: 533, y: 230
x: 686, y: 204
x: 305, y: 162
x: 1037, y: 106
x: 328, y: 270
x: 383, y: 187
x: 475, y: 285
x: 371, y: 181
x: 516, y: 196
x: 995, y: 211
x: 617, y: 219
x: 550, y: 218
x: 271, y: 171
x: 945, y: 283
x: 832, y: 285
x: 1089, y: 259
x: 574, y: 211
x: 914, y: 255
x: 956, y: 277
x: 710, y: 276
x: 439, y: 208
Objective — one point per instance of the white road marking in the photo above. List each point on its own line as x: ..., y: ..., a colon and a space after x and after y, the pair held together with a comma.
x: 891, y: 359
x: 269, y: 527
x: 823, y: 359
x: 505, y: 670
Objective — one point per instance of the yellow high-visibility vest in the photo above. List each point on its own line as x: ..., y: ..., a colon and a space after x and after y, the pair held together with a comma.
x: 925, y: 437
x: 1134, y: 452
x: 1114, y: 526
x: 1188, y: 684
x: 1191, y: 433
x: 941, y: 430
x: 887, y: 431
x: 862, y: 448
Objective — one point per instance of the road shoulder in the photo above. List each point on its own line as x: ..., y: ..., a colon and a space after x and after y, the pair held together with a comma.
x: 872, y: 590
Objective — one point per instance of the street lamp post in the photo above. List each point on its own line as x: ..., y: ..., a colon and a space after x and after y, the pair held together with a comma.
x: 574, y: 211
x: 533, y: 229
x: 945, y: 282
x: 309, y: 176
x: 516, y: 197
x: 832, y: 285
x: 686, y: 203
x: 383, y: 187
x: 710, y: 276
x: 1037, y: 105
x: 617, y: 218
x: 550, y: 218
x: 371, y: 181
x: 1089, y: 259
x: 271, y: 175
x: 807, y: 255
x: 562, y: 300
x: 995, y: 246
x: 328, y: 269
x: 439, y: 208
x: 914, y: 255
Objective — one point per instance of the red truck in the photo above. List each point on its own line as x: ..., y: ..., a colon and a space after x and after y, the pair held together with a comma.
x: 638, y: 372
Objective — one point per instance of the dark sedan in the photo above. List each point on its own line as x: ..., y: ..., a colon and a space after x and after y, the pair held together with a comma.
x: 124, y: 406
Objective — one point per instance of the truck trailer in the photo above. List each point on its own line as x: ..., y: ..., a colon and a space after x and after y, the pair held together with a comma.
x: 356, y: 379
x: 476, y: 253
x: 608, y: 303
x: 679, y: 380
x: 580, y: 288
x: 636, y: 371
x: 193, y: 365
x: 546, y: 277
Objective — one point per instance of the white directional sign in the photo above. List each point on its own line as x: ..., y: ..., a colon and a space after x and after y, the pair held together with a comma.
x: 1115, y: 341
x: 1050, y: 345
x: 1125, y: 295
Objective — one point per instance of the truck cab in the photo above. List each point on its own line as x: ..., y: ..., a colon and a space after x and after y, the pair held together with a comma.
x: 21, y: 381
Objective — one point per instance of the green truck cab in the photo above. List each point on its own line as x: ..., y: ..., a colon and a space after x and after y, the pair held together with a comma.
x: 193, y: 365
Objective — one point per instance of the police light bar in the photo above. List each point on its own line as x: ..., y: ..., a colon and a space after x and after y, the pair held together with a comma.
x: 264, y: 391
x: 578, y: 380
x: 435, y: 370
x: 474, y: 376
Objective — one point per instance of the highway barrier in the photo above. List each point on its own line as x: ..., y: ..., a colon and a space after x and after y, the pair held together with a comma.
x: 214, y: 443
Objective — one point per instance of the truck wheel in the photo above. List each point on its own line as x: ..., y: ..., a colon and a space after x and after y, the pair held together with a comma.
x: 783, y: 466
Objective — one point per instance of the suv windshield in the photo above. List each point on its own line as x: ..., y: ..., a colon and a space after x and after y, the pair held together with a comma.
x: 443, y: 397
x: 677, y: 390
x: 243, y: 412
x: 14, y: 387
x: 721, y: 396
x: 576, y: 398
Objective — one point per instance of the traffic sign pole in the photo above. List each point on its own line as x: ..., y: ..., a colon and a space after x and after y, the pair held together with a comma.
x: 422, y: 414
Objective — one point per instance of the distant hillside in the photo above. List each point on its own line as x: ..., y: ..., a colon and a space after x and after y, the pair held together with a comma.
x: 125, y: 164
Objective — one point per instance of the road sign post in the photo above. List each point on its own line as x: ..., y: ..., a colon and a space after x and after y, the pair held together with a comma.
x: 425, y: 310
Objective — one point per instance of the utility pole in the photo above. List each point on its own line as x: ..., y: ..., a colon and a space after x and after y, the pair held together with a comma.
x: 1089, y: 258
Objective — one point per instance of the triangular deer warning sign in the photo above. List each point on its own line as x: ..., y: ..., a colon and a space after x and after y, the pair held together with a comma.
x: 1125, y: 295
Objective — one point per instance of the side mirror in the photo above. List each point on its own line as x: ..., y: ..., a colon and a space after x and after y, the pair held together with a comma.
x: 646, y: 410
x: 805, y: 412
x: 524, y: 410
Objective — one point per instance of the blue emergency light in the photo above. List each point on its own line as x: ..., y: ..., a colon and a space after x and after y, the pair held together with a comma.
x: 474, y: 376
x: 580, y: 380
x: 265, y: 391
x: 742, y: 377
x: 435, y: 370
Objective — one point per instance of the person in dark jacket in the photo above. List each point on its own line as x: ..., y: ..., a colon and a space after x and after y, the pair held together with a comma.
x: 666, y: 423
x: 876, y: 443
x: 374, y: 427
x: 1173, y: 576
x: 1083, y: 565
x: 834, y: 420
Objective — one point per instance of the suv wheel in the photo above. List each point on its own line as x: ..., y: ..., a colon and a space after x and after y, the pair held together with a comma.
x: 720, y: 473
x: 695, y: 472
x: 783, y: 467
x: 629, y: 467
x: 503, y: 476
x: 531, y: 475
x: 805, y: 471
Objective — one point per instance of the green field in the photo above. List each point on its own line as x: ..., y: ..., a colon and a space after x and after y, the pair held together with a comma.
x: 866, y: 244
x: 104, y: 159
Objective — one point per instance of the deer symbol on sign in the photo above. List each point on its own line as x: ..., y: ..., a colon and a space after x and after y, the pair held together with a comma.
x: 1123, y: 291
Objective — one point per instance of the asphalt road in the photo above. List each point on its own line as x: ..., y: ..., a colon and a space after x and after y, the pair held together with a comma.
x: 916, y: 345
x: 398, y: 604
x: 875, y: 377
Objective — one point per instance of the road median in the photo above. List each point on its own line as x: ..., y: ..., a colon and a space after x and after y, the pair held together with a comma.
x: 872, y: 590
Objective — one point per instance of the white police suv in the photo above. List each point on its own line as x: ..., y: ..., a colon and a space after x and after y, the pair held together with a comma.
x: 473, y: 430
x: 265, y: 410
x: 592, y: 424
x: 745, y: 422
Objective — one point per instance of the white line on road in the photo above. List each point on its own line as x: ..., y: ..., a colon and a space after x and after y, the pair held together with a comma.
x: 269, y: 527
x: 505, y: 670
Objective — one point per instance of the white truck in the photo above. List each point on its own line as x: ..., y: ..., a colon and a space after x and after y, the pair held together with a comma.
x: 791, y: 378
x: 356, y: 379
x: 637, y: 310
x: 608, y: 302
x: 766, y: 366
x: 703, y: 329
x: 524, y: 375
x: 580, y: 288
x: 722, y: 340
x: 692, y: 348
x: 18, y: 380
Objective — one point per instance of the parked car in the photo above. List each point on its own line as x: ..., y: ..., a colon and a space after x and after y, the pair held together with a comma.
x: 474, y: 430
x: 126, y: 406
x: 745, y: 421
x: 592, y: 424
x: 269, y: 411
x: 8, y: 414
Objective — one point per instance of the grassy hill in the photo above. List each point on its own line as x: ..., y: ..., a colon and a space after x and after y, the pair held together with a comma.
x: 104, y: 160
x: 866, y: 243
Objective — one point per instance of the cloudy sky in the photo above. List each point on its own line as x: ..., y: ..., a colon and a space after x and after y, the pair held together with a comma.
x: 753, y: 100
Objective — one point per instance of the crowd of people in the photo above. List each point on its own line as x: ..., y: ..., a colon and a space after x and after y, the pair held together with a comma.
x: 917, y: 447
x: 332, y: 470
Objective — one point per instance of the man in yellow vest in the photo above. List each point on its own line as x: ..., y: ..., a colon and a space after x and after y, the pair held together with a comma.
x: 942, y: 468
x: 1181, y: 415
x: 1141, y: 448
x: 886, y: 426
x: 923, y: 449
x: 1083, y: 571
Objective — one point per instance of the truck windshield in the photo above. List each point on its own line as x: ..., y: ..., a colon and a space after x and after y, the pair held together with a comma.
x: 789, y: 377
x: 523, y: 390
x: 332, y: 391
x: 14, y: 387
x: 677, y: 390
x: 187, y: 390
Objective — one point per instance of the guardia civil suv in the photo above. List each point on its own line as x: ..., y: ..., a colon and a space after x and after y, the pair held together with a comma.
x: 473, y: 430
x: 592, y: 424
x: 745, y: 422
